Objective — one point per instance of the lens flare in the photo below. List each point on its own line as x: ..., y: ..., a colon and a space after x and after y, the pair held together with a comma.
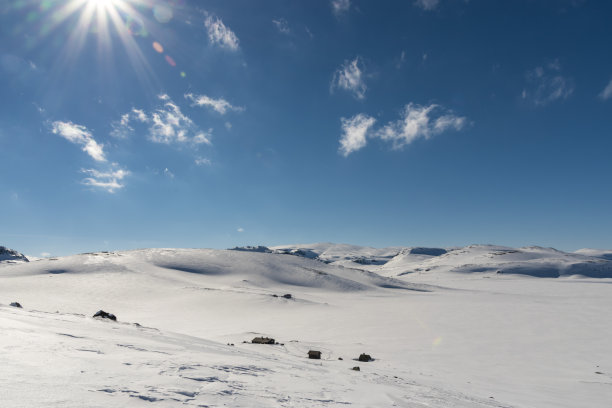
x: 158, y: 47
x: 170, y: 61
x: 162, y: 13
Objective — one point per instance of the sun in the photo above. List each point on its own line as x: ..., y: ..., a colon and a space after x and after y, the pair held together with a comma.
x: 110, y: 21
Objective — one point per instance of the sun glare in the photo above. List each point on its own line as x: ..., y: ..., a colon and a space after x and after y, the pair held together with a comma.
x: 108, y: 20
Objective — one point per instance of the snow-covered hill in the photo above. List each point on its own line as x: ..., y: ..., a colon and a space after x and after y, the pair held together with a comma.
x: 398, y: 261
x: 438, y: 338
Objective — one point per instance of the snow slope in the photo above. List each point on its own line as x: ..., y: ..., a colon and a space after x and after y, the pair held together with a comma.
x: 442, y: 339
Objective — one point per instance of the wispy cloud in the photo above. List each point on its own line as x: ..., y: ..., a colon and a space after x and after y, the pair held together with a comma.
x: 607, y: 92
x: 419, y: 122
x: 416, y: 122
x: 240, y: 229
x: 121, y: 129
x: 282, y: 26
x: 167, y: 124
x: 80, y: 135
x: 168, y: 173
x: 106, y: 180
x: 340, y: 6
x: 202, y: 161
x: 218, y: 105
x: 350, y: 77
x: 546, y: 84
x: 427, y: 4
x: 354, y: 131
x: 220, y: 34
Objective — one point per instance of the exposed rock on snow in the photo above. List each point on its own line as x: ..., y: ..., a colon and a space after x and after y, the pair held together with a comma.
x: 10, y: 255
x: 259, y: 248
x: 365, y: 357
x: 104, y: 315
x: 16, y: 304
x: 428, y: 251
x: 263, y: 340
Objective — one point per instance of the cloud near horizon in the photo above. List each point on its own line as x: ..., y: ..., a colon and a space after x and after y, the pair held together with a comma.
x: 80, y: 135
x: 350, y: 77
x: 416, y: 122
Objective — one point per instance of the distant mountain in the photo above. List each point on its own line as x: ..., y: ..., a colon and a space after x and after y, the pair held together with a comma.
x: 10, y: 255
x: 492, y: 259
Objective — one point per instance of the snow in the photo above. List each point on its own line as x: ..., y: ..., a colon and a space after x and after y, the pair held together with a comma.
x: 455, y: 335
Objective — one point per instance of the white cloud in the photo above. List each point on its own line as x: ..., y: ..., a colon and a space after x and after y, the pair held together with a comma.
x: 340, y: 6
x: 202, y: 161
x: 607, y: 92
x: 220, y: 34
x: 349, y: 77
x: 167, y: 123
x: 79, y: 134
x: 240, y: 230
x: 427, y: 4
x: 282, y: 26
x: 107, y: 180
x: 547, y: 84
x: 416, y: 122
x: 139, y: 114
x: 203, y: 137
x: 45, y: 254
x: 354, y: 132
x: 218, y: 105
x: 419, y: 122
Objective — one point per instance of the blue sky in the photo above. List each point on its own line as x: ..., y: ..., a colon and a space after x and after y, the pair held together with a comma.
x: 144, y: 123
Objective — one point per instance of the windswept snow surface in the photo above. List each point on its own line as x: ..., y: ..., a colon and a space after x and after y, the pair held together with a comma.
x: 438, y: 338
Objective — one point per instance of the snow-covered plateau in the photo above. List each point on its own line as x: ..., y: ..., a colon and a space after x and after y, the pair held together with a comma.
x: 479, y: 326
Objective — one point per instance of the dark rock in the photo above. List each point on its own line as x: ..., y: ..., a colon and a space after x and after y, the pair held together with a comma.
x: 102, y: 314
x: 365, y: 357
x: 259, y: 248
x: 340, y: 358
x: 11, y: 255
x: 315, y: 355
x: 287, y: 296
x: 356, y: 368
x: 262, y: 340
x: 16, y: 304
x: 428, y: 251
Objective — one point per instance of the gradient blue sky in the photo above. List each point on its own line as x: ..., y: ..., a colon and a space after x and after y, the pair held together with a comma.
x: 145, y: 123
